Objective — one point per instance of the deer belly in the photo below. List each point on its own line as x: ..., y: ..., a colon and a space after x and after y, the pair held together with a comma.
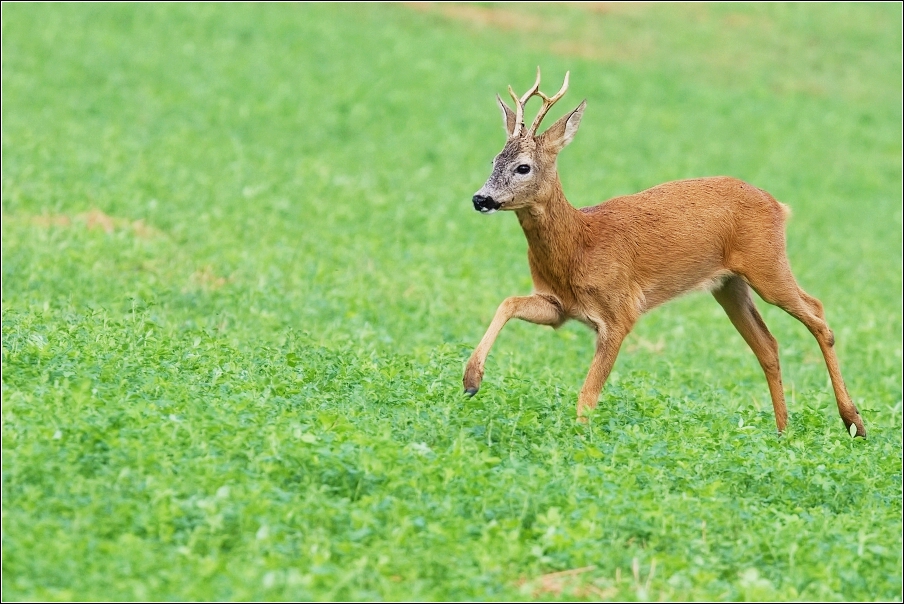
x: 672, y: 285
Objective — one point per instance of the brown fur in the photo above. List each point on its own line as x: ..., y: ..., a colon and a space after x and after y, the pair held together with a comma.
x: 608, y: 264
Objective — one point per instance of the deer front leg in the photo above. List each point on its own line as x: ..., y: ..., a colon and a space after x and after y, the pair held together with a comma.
x: 608, y: 343
x: 534, y: 309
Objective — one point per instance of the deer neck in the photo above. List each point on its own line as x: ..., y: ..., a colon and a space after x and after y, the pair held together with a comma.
x: 552, y: 227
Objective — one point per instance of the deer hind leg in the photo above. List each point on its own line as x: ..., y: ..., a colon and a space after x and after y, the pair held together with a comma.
x: 776, y: 285
x: 734, y: 296
x: 534, y: 309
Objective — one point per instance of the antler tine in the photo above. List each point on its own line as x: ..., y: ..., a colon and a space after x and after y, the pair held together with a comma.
x: 533, y: 89
x: 519, y: 113
x: 519, y: 103
x: 548, y: 103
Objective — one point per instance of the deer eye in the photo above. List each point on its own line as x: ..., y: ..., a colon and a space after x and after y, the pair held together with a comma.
x: 522, y: 169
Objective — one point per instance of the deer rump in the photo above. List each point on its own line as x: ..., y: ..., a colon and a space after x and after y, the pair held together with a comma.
x: 608, y: 264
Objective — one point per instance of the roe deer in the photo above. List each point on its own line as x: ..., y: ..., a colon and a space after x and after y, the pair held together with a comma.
x: 606, y: 265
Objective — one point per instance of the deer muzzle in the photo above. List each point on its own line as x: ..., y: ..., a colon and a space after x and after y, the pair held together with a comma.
x: 485, y: 204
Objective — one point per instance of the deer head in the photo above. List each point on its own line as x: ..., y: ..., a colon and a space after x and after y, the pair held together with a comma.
x: 524, y: 172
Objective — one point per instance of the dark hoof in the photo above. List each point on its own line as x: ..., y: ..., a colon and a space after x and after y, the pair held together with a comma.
x: 470, y: 391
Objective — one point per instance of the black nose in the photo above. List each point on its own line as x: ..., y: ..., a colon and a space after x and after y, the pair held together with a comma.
x: 483, y: 203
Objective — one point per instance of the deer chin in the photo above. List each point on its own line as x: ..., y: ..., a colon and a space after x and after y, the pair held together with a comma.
x: 506, y: 206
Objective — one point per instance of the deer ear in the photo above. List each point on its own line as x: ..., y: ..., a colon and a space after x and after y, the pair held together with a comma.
x: 508, y: 116
x: 562, y: 132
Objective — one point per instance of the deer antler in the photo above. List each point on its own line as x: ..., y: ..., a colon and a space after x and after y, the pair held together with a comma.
x: 519, y: 103
x: 547, y: 103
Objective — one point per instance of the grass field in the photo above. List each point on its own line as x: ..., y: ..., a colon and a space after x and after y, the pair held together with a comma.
x: 241, y: 275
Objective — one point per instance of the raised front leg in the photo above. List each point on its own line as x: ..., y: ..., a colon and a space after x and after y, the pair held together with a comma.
x: 534, y: 309
x: 608, y: 343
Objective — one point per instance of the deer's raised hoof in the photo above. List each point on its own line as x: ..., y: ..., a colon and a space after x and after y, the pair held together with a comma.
x: 472, y: 378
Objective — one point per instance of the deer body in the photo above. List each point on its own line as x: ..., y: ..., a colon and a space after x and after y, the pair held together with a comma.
x: 608, y: 264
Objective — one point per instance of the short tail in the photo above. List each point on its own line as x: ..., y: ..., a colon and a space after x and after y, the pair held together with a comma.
x: 786, y: 211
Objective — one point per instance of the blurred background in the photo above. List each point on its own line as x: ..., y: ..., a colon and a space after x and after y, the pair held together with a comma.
x: 241, y: 274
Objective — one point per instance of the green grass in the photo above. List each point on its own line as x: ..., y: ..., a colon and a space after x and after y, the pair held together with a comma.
x: 241, y: 275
